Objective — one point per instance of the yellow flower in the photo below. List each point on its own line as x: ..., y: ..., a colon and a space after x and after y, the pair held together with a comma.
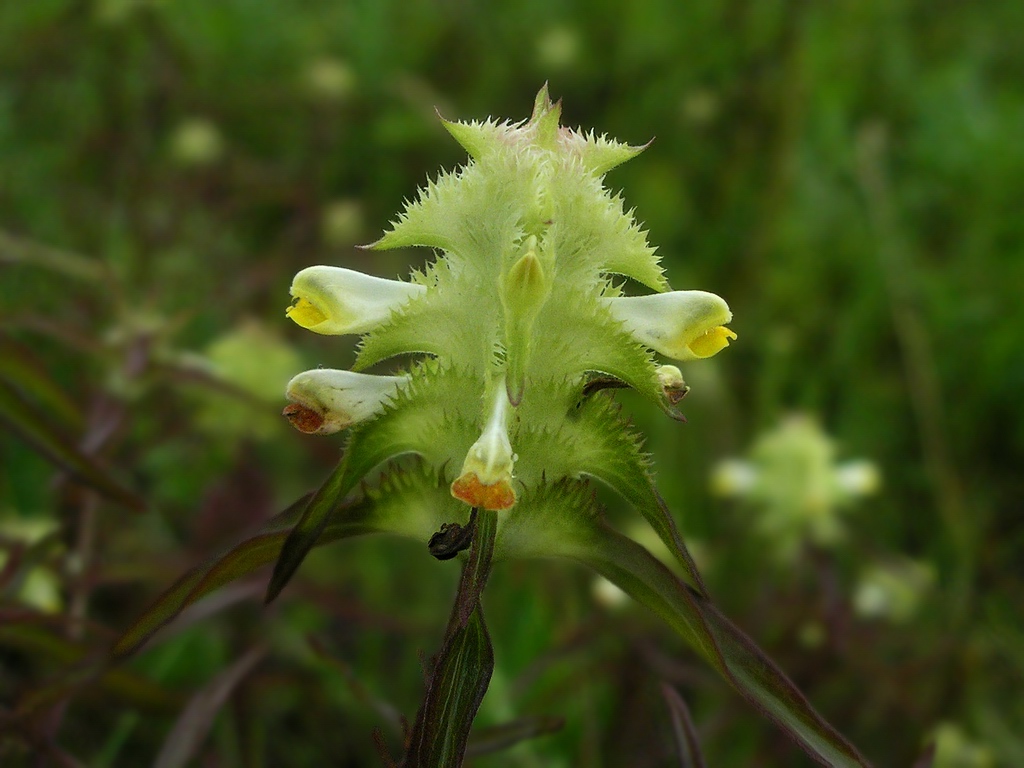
x: 336, y: 301
x: 683, y: 325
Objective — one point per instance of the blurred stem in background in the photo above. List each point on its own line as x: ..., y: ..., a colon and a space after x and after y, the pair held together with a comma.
x: 924, y: 390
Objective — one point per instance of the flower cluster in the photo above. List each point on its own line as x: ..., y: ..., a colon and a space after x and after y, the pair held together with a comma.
x: 513, y: 320
x: 795, y: 487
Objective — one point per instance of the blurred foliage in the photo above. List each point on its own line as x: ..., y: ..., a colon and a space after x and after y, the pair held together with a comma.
x: 848, y: 175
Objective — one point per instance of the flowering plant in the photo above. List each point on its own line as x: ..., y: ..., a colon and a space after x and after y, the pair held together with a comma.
x: 517, y: 327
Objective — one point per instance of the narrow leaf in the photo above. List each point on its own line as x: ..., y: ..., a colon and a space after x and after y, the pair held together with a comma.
x: 498, y: 737
x: 457, y: 687
x: 14, y: 250
x: 23, y: 373
x: 258, y: 550
x: 687, y: 743
x: 35, y: 429
x: 303, y: 537
x: 638, y: 573
x: 197, y: 718
x: 362, y: 454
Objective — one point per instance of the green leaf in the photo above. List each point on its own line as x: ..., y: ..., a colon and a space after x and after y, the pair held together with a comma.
x: 196, y: 719
x: 358, y: 460
x: 20, y: 370
x: 598, y: 444
x: 687, y: 743
x: 407, y: 502
x: 562, y: 520
x: 256, y: 551
x: 37, y: 430
x: 638, y: 573
x: 495, y: 738
x: 460, y: 679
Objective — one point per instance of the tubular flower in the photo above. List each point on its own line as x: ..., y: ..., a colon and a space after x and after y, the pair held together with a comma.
x: 486, y: 478
x: 683, y: 325
x: 519, y: 311
x: 325, y: 400
x: 336, y: 301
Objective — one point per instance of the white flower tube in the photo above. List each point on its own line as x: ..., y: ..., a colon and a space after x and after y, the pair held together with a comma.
x: 326, y: 400
x: 486, y: 479
x: 336, y: 301
x: 683, y: 325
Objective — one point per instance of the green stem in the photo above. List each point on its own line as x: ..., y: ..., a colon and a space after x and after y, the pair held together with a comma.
x: 462, y: 670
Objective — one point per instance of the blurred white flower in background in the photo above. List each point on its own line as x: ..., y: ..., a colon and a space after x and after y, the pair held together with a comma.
x: 953, y: 749
x: 329, y: 80
x: 892, y: 590
x: 341, y: 222
x: 196, y: 142
x: 558, y: 48
x: 37, y: 586
x: 793, y: 486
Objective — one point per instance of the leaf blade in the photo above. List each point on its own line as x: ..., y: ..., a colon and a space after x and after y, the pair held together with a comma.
x: 196, y: 719
x: 687, y: 743
x: 252, y: 553
x: 638, y: 573
x: 35, y: 429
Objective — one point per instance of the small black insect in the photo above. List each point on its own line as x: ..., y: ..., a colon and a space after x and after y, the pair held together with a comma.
x: 452, y: 538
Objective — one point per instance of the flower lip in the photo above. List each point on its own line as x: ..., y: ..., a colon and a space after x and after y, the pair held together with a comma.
x: 711, y: 341
x: 305, y: 313
x: 497, y: 496
x: 683, y: 325
x: 336, y: 301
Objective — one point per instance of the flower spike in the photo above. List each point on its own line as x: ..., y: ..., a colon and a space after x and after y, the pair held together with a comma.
x: 336, y: 301
x: 683, y: 325
x: 486, y: 479
x: 326, y: 400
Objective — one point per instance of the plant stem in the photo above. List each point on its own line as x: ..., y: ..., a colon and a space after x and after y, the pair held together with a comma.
x: 462, y: 669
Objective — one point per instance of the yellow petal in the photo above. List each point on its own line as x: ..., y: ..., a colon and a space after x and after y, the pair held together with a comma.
x: 305, y: 313
x: 712, y: 341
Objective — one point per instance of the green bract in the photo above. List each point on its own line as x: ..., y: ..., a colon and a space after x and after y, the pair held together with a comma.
x: 516, y: 317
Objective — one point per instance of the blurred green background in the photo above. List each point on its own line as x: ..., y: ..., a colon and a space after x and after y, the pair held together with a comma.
x: 847, y: 174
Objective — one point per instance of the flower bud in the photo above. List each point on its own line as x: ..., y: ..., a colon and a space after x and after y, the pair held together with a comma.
x: 671, y: 380
x: 486, y: 478
x: 524, y: 289
x: 683, y: 325
x: 335, y: 301
x: 326, y: 400
x: 526, y: 286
